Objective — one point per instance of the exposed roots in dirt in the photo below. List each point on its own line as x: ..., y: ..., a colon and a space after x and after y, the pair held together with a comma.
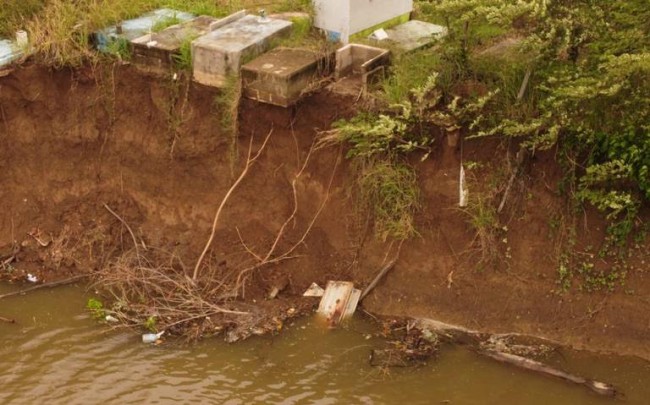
x: 153, y: 288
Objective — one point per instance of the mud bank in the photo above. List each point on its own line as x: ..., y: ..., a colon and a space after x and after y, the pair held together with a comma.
x: 151, y: 149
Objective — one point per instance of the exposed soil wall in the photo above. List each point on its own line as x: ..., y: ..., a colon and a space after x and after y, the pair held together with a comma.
x: 71, y: 141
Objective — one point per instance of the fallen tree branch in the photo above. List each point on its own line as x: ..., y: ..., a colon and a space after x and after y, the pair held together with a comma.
x: 474, y: 338
x: 46, y: 285
x: 532, y: 365
x: 378, y: 277
x: 8, y: 261
x: 383, y: 270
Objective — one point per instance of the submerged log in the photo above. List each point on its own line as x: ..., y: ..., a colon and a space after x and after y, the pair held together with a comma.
x: 459, y: 334
x: 532, y: 365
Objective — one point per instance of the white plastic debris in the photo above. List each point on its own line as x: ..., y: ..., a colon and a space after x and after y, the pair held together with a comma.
x: 314, y: 290
x: 462, y: 189
x: 32, y: 278
x: 112, y: 319
x: 151, y: 337
x: 379, y: 35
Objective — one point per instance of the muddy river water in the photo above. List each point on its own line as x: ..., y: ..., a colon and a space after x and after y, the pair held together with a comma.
x: 56, y: 354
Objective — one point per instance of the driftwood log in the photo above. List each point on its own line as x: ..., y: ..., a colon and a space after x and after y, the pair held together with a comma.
x: 532, y: 365
x: 474, y: 338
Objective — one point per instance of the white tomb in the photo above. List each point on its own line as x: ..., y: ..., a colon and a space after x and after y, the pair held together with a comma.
x: 343, y: 19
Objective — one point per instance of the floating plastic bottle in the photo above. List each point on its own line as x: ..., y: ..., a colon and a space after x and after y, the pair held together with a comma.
x: 151, y: 337
x: 111, y: 318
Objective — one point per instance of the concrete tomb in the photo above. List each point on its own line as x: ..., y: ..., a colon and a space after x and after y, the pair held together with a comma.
x: 220, y: 53
x: 282, y: 76
x: 156, y: 51
x: 415, y: 34
x: 343, y: 20
x: 131, y: 29
x: 9, y: 52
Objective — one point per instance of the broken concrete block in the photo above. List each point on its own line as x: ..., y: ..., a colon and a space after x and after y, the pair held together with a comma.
x: 357, y: 66
x: 339, y: 301
x: 357, y: 59
x: 221, y: 52
x: 314, y: 290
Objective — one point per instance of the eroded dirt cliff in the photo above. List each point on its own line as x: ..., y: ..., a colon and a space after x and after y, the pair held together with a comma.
x: 74, y: 142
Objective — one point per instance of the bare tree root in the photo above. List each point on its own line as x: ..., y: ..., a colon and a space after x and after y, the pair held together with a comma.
x: 272, y: 256
x: 153, y: 287
x: 128, y: 228
x: 249, y: 162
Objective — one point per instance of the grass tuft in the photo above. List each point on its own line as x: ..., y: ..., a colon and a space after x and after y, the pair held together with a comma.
x: 226, y: 104
x: 390, y: 190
